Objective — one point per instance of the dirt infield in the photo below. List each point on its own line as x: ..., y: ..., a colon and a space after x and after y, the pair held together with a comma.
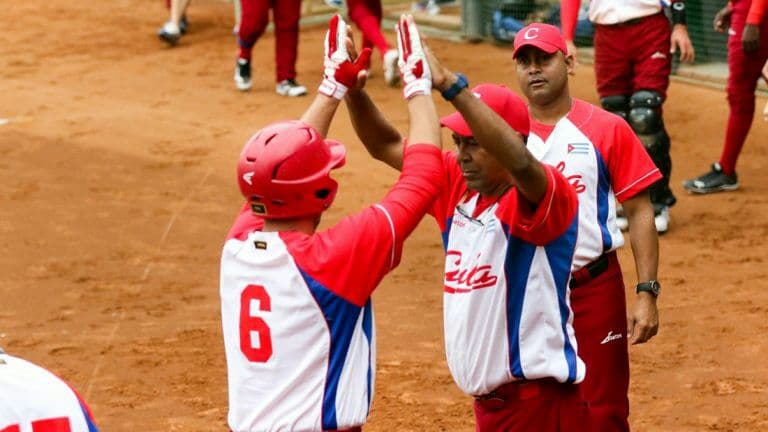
x: 117, y: 188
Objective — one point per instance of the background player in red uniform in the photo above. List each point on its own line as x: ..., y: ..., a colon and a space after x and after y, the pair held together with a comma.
x: 633, y: 60
x: 367, y: 14
x: 509, y: 228
x: 253, y: 21
x: 601, y: 156
x: 296, y: 310
x: 747, y: 28
x: 33, y: 399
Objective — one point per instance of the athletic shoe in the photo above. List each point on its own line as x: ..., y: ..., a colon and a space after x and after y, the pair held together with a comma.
x: 714, y: 181
x: 183, y: 24
x: 661, y: 218
x: 428, y: 6
x: 391, y: 71
x: 243, y: 74
x: 169, y: 33
x: 621, y: 220
x: 290, y: 88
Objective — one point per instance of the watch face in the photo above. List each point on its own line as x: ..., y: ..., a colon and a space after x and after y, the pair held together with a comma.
x: 655, y: 287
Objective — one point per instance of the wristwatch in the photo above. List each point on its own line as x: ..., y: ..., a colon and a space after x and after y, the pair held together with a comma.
x: 452, y: 91
x: 653, y: 287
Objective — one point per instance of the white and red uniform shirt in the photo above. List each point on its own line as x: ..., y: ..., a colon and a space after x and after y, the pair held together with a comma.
x: 609, y: 12
x: 35, y: 400
x: 296, y: 311
x: 506, y: 310
x: 604, y: 160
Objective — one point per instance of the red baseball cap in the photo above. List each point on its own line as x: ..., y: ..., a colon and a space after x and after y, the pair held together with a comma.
x: 502, y: 101
x: 545, y: 37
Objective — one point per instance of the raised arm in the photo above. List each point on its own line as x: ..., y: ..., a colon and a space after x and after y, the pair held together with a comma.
x: 494, y: 134
x: 379, y: 137
x: 569, y: 15
x: 343, y: 69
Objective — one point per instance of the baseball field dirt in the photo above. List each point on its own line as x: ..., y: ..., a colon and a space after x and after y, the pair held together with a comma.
x: 117, y: 187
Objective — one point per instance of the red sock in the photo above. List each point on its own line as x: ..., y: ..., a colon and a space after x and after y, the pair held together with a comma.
x: 739, y: 122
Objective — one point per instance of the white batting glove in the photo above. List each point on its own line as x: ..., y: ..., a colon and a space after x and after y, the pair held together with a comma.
x: 340, y: 73
x: 414, y: 69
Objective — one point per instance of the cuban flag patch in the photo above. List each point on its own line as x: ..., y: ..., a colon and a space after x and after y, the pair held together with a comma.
x: 578, y: 148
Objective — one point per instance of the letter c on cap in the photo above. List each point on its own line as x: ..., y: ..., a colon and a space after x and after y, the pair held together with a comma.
x: 531, y: 33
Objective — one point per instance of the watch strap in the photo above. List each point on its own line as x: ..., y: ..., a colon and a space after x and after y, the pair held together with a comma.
x: 460, y: 84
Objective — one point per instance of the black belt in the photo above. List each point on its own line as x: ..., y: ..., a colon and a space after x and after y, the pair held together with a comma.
x: 592, y: 270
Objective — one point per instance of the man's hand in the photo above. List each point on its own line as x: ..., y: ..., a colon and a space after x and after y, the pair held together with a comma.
x: 643, y: 322
x: 722, y: 19
x: 412, y: 61
x: 750, y: 38
x: 342, y: 72
x: 681, y: 40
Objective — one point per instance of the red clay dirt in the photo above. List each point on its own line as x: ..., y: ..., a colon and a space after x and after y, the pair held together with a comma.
x: 117, y: 183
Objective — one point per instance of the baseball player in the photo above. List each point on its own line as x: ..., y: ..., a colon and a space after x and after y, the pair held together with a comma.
x: 296, y: 310
x: 35, y: 400
x: 747, y: 53
x: 605, y: 162
x: 633, y: 59
x: 509, y: 229
x: 366, y: 14
x: 253, y: 21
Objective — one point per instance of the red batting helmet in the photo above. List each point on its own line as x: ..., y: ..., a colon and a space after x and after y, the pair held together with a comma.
x: 284, y: 171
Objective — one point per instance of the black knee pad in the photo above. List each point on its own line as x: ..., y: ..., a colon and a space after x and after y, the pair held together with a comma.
x: 645, y: 119
x: 618, y: 104
x: 645, y: 112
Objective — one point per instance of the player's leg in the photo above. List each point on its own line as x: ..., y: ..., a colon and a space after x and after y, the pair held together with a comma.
x: 254, y: 18
x: 652, y: 66
x: 613, y: 73
x: 539, y: 405
x: 367, y: 15
x: 600, y: 324
x: 744, y: 70
x: 286, y: 16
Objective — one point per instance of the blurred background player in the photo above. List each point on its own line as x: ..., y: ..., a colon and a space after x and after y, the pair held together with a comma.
x: 747, y: 28
x: 605, y: 162
x: 177, y: 23
x: 509, y: 229
x: 296, y: 311
x: 633, y: 59
x: 253, y: 21
x: 33, y: 399
x: 367, y: 14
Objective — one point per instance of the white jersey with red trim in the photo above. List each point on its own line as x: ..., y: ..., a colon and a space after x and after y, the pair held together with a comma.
x: 604, y: 160
x: 609, y: 12
x: 506, y: 301
x: 33, y: 399
x: 296, y: 312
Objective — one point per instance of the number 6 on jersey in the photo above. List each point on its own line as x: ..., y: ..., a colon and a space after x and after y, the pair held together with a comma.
x: 250, y: 324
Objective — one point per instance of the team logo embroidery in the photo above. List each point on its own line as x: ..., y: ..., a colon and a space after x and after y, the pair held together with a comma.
x: 573, y: 179
x: 611, y: 337
x: 464, y: 280
x: 248, y: 177
x: 531, y: 33
x: 578, y: 148
x: 658, y: 55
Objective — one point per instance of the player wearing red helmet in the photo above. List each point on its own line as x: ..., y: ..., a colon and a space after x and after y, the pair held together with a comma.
x: 296, y: 310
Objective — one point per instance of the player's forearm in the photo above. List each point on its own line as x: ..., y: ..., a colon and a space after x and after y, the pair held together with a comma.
x: 320, y: 113
x: 378, y: 136
x: 506, y: 145
x: 569, y: 14
x: 642, y: 236
x: 424, y: 124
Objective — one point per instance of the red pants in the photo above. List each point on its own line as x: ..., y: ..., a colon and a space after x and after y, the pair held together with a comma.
x: 366, y: 14
x: 743, y: 74
x: 539, y: 405
x: 600, y: 323
x: 253, y: 22
x: 632, y: 57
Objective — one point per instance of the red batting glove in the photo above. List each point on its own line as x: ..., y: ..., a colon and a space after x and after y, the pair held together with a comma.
x: 414, y: 69
x: 340, y: 71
